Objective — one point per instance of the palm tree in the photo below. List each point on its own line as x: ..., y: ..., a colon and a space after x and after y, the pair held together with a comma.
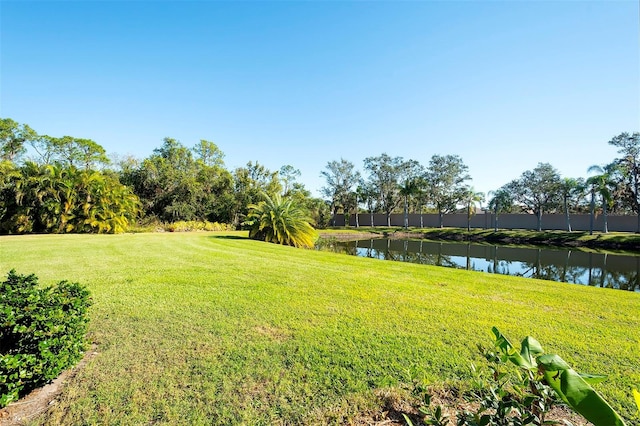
x: 361, y: 196
x: 369, y: 197
x: 108, y: 205
x: 569, y: 188
x: 53, y: 198
x: 471, y: 197
x: 408, y: 189
x: 602, y: 183
x: 280, y: 221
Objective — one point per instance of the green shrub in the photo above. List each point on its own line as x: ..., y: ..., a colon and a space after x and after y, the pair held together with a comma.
x: 42, y: 332
x: 197, y: 225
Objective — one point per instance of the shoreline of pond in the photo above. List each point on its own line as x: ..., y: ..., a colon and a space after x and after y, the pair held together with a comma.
x: 578, y: 239
x: 595, y: 268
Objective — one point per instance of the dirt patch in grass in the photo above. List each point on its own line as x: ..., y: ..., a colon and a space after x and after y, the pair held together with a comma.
x: 38, y: 401
x: 274, y: 333
x: 394, y: 404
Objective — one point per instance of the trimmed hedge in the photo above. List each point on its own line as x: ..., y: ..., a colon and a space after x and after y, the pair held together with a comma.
x: 42, y: 332
x: 197, y: 225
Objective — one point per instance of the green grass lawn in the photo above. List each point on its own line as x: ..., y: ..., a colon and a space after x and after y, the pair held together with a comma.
x: 212, y: 328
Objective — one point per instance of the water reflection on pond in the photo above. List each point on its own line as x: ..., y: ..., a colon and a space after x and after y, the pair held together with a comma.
x: 619, y: 270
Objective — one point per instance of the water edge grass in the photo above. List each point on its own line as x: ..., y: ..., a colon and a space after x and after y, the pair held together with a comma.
x: 597, y: 240
x: 214, y: 328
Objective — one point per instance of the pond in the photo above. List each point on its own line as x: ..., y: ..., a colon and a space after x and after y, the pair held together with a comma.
x: 618, y: 271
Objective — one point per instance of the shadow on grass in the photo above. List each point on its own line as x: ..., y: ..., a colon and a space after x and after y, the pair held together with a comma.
x: 229, y: 237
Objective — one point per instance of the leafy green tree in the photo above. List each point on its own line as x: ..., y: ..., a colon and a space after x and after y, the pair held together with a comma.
x: 288, y: 175
x: 319, y: 211
x: 43, y: 150
x: 501, y: 202
x: 214, y: 194
x: 341, y: 178
x: 537, y: 190
x: 167, y: 182
x: 63, y: 193
x: 445, y: 178
x: 9, y: 178
x: 86, y: 152
x: 249, y: 183
x: 105, y: 205
x: 629, y: 164
x: 13, y: 137
x: 69, y: 151
x: 385, y: 173
x: 263, y: 178
x: 280, y: 221
x: 173, y: 185
x: 208, y: 154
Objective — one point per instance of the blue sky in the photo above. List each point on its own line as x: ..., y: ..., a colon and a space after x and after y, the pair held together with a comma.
x: 505, y: 85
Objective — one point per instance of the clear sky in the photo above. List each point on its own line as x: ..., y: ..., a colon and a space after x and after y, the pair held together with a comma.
x: 503, y: 84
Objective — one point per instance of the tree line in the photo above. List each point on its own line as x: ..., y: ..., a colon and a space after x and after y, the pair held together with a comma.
x: 393, y: 184
x: 69, y: 184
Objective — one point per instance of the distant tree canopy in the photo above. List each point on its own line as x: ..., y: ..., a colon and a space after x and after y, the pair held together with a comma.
x: 443, y: 187
x: 537, y: 190
x: 13, y: 138
x: 342, y: 180
x: 173, y: 185
x: 177, y: 183
x: 52, y: 185
x: 446, y: 188
x: 393, y: 182
x: 68, y: 184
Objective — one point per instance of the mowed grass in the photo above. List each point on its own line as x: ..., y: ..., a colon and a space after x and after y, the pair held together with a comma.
x: 208, y: 328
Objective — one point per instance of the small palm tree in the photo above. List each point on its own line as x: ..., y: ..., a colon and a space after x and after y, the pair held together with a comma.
x: 569, y: 188
x: 471, y: 197
x: 603, y: 184
x: 280, y: 221
x: 407, y: 190
x: 361, y: 195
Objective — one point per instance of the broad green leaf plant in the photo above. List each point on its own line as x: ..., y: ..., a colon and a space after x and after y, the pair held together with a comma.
x: 572, y: 387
